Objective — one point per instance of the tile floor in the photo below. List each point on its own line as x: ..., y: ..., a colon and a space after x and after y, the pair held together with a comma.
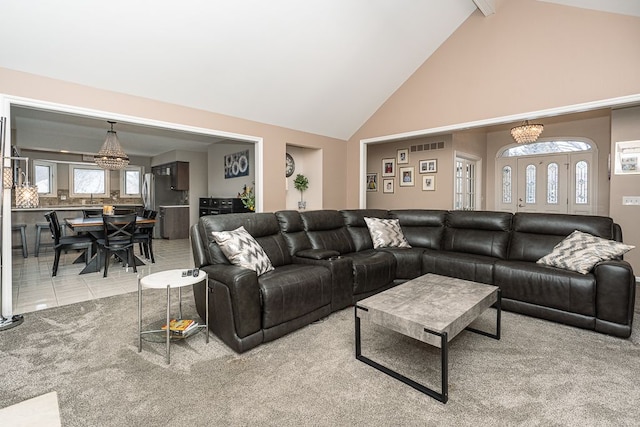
x: 34, y: 288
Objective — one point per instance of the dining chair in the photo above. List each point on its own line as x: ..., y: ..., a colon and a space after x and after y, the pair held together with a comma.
x: 144, y: 236
x: 61, y: 242
x: 118, y: 239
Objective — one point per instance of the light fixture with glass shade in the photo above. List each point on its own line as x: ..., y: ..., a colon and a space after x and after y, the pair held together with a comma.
x: 111, y: 156
x: 526, y: 132
x: 26, y: 195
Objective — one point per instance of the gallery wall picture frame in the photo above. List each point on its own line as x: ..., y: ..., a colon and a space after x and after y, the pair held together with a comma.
x: 407, y: 176
x: 428, y: 183
x: 428, y: 166
x: 372, y: 182
x: 387, y: 185
x: 389, y: 167
x: 403, y: 156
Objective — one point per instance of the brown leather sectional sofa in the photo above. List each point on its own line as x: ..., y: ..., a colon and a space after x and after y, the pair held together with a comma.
x: 325, y: 261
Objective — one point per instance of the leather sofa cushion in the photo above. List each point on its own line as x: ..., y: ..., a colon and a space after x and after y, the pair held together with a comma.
x: 535, y: 235
x: 326, y: 230
x: 408, y: 261
x: 263, y: 227
x: 422, y: 228
x: 372, y: 269
x: 547, y: 286
x: 479, y: 233
x: 293, y: 290
x: 293, y: 232
x: 357, y: 227
x: 477, y: 268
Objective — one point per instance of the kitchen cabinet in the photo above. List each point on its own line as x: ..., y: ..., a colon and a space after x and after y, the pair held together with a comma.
x: 178, y: 173
x: 174, y: 221
x: 180, y: 176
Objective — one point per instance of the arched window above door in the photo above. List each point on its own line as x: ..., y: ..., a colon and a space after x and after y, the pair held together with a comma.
x: 546, y: 147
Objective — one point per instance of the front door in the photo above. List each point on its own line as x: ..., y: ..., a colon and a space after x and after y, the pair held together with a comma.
x: 542, y: 183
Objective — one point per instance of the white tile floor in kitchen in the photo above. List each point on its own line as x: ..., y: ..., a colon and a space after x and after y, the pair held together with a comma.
x: 34, y: 288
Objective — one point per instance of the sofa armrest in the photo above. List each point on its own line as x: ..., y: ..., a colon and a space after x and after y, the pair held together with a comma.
x: 318, y: 254
x: 615, y: 296
x: 341, y: 277
x: 236, y: 298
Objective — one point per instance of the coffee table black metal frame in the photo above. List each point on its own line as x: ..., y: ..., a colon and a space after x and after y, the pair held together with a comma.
x: 443, y: 395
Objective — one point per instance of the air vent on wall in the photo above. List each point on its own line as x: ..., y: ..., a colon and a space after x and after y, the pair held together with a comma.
x: 428, y: 146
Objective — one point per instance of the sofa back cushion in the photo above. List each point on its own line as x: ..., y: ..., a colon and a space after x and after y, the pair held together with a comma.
x: 292, y: 229
x: 478, y: 232
x: 326, y: 230
x: 261, y: 226
x: 422, y: 228
x: 535, y: 234
x: 357, y: 227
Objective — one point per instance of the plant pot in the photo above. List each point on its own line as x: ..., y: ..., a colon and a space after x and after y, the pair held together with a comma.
x: 302, y: 204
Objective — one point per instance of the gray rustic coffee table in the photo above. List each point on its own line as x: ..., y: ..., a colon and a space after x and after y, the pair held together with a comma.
x: 432, y: 309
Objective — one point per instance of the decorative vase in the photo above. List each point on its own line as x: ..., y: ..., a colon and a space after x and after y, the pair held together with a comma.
x: 302, y: 204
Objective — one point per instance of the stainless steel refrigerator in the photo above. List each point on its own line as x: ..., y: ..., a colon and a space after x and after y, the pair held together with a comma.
x: 156, y: 192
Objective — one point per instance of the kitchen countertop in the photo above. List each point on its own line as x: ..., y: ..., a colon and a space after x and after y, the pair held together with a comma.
x: 67, y: 208
x: 173, y: 206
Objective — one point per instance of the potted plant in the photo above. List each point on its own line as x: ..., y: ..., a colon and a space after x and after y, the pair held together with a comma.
x: 248, y: 198
x: 301, y: 183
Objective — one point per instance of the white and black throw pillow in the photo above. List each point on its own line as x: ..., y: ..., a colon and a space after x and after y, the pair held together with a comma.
x: 582, y: 251
x: 386, y: 233
x: 243, y: 250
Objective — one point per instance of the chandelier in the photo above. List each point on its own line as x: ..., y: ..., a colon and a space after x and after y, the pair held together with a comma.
x: 526, y: 132
x: 111, y: 156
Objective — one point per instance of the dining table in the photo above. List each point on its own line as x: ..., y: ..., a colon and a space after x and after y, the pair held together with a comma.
x: 93, y: 226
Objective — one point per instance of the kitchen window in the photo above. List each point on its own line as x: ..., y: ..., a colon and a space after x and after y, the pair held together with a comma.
x: 87, y: 180
x: 45, y: 174
x: 131, y: 181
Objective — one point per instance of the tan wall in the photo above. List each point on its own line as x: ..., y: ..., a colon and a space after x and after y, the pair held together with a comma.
x: 528, y: 56
x: 404, y: 197
x: 334, y: 159
x: 625, y: 126
x: 596, y: 130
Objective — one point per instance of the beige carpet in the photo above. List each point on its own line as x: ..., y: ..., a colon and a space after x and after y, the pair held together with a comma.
x: 539, y: 373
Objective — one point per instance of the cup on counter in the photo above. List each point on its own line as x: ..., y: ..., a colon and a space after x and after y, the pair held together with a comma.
x: 107, y: 210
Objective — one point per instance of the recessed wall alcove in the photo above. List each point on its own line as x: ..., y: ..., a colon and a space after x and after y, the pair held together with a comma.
x: 308, y: 162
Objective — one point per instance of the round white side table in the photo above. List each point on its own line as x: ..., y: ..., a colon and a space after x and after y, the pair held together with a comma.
x: 168, y: 280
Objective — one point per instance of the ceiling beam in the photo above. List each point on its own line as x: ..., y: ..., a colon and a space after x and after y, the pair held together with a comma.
x: 487, y: 7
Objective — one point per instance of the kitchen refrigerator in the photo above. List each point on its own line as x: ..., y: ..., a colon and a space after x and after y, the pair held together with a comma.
x: 157, y: 192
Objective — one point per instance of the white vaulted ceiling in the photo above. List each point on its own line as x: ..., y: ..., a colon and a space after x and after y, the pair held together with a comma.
x: 320, y: 66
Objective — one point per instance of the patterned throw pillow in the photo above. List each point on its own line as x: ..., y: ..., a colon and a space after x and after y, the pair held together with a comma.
x: 386, y: 233
x: 581, y: 251
x: 241, y: 249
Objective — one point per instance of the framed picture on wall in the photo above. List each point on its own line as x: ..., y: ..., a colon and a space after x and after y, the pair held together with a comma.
x: 387, y: 185
x: 407, y: 176
x: 428, y: 166
x: 389, y: 167
x: 428, y: 183
x: 372, y: 182
x: 403, y: 156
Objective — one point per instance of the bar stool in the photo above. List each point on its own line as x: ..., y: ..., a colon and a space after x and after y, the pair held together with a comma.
x: 39, y: 227
x: 22, y: 228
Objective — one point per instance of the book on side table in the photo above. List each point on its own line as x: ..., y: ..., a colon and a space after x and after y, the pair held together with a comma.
x: 181, y: 327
